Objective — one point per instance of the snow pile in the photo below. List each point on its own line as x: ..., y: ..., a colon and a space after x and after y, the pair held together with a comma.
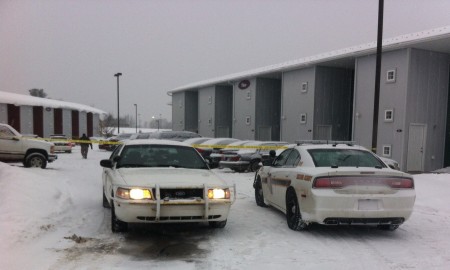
x: 54, y: 219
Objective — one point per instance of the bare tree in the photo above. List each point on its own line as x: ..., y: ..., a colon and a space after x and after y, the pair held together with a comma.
x: 37, y: 93
x: 107, y: 125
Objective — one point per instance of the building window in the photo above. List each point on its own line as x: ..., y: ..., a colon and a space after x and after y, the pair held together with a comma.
x: 391, y: 76
x: 180, y: 104
x: 389, y: 115
x: 304, y: 87
x: 209, y: 100
x: 249, y: 95
x: 210, y: 121
x: 303, y: 118
x: 387, y: 150
x: 247, y: 120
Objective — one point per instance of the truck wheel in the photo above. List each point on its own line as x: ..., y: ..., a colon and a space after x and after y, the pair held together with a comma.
x: 35, y: 160
x: 217, y: 224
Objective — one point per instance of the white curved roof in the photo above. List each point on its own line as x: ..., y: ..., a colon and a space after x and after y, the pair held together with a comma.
x: 437, y: 39
x: 19, y: 100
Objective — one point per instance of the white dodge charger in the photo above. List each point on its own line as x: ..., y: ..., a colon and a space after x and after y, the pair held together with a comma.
x: 335, y: 183
x: 160, y: 181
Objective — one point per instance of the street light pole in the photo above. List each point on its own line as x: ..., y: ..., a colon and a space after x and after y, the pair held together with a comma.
x: 118, y: 115
x: 135, y: 105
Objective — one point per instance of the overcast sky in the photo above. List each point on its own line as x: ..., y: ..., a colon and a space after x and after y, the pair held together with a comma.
x: 72, y: 49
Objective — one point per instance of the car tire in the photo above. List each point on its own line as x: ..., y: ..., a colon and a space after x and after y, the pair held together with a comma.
x: 35, y: 160
x: 259, y: 195
x: 105, y: 201
x: 293, y: 215
x: 389, y: 227
x: 254, y: 165
x: 217, y: 224
x: 117, y: 225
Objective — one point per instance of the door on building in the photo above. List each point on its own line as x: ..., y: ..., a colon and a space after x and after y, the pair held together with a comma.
x: 222, y: 132
x: 323, y: 132
x: 416, y: 148
x: 264, y: 133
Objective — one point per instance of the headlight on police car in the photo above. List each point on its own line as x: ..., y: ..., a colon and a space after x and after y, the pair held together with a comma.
x: 219, y: 193
x: 134, y: 194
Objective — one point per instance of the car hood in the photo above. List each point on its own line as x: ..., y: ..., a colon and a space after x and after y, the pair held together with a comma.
x: 169, y: 177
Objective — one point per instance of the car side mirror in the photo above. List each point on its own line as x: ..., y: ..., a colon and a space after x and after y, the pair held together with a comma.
x: 106, y: 163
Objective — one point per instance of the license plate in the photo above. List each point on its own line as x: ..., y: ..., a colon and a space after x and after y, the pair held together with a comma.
x: 368, y: 204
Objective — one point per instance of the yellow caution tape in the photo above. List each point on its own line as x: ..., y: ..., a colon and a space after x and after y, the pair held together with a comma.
x: 217, y: 146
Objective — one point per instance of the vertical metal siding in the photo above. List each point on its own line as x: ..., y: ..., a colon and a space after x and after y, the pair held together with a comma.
x: 178, y: 110
x: 206, y: 104
x: 26, y: 119
x: 223, y: 110
x: 38, y: 121
x: 14, y: 116
x: 295, y: 103
x: 3, y: 113
x: 268, y: 100
x: 191, y: 111
x: 427, y: 101
x: 333, y: 101
x: 244, y: 107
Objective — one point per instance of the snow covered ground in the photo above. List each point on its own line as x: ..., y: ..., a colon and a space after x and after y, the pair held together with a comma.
x: 54, y: 219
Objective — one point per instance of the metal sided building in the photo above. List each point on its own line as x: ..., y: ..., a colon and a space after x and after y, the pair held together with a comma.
x: 331, y: 96
x: 43, y: 117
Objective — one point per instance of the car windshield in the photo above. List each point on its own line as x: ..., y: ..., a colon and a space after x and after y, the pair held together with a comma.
x: 134, y: 156
x: 344, y: 158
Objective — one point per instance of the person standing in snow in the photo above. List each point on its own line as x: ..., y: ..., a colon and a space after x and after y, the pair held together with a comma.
x: 85, y: 145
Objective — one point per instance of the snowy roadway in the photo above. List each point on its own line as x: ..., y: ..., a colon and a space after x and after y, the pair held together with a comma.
x: 54, y: 219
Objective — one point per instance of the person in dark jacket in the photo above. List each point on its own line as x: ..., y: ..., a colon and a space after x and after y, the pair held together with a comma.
x: 85, y: 145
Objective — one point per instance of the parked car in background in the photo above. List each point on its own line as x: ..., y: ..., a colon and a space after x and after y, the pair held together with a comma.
x: 31, y: 152
x: 333, y: 184
x: 196, y: 140
x: 62, y: 143
x: 249, y: 158
x: 230, y: 149
x: 208, y: 147
x: 162, y: 181
x: 173, y: 135
x: 111, y: 143
x: 391, y: 163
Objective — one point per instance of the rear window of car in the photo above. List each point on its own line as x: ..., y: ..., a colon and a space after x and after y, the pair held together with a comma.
x: 344, y: 158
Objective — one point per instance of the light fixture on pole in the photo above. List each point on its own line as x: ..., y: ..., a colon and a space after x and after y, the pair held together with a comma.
x: 118, y: 115
x: 157, y: 120
x: 135, y: 105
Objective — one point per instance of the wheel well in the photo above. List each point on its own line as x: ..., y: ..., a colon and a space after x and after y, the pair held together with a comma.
x: 34, y: 150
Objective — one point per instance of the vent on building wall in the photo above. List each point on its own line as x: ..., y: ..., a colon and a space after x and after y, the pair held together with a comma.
x: 387, y: 150
x: 247, y: 120
x: 304, y: 87
x: 389, y: 115
x: 391, y: 76
x: 249, y: 95
x: 303, y: 118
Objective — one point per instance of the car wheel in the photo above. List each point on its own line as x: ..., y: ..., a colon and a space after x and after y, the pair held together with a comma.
x: 117, y: 225
x: 390, y: 227
x: 259, y: 195
x: 293, y: 215
x: 105, y: 201
x: 36, y: 160
x: 217, y: 224
x: 254, y: 165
